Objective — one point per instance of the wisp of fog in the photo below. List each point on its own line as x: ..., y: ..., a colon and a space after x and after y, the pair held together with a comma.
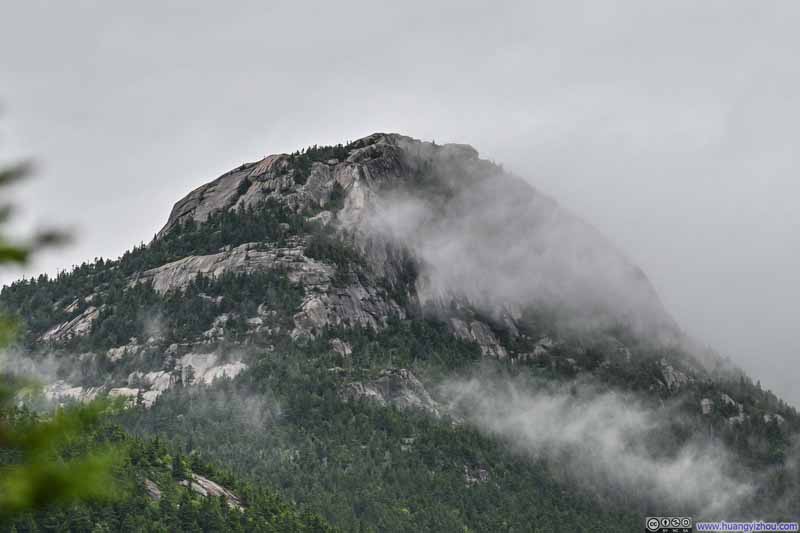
x: 601, y: 441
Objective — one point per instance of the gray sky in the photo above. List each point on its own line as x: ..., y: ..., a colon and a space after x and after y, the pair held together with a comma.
x: 671, y: 126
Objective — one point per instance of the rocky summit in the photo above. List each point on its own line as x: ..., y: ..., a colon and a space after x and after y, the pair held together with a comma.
x: 470, y: 232
x: 402, y: 336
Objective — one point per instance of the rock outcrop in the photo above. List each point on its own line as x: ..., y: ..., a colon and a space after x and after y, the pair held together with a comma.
x: 673, y: 378
x: 206, y: 199
x: 476, y: 474
x: 394, y: 386
x: 478, y: 332
x: 62, y: 391
x: 77, y: 327
x: 207, y: 488
x: 357, y: 304
x: 204, y: 368
x: 152, y: 490
x: 244, y: 259
x: 193, y: 368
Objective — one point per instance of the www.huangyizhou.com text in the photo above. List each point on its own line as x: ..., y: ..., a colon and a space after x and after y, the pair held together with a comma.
x: 756, y: 525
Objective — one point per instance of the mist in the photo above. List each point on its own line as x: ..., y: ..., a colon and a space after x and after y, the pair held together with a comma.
x: 502, y: 245
x: 46, y: 368
x: 604, y: 442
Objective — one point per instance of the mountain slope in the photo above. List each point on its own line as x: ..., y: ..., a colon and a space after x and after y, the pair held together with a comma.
x: 158, y: 489
x: 404, y: 337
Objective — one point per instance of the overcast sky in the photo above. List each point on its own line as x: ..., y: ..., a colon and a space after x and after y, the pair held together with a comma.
x: 671, y: 126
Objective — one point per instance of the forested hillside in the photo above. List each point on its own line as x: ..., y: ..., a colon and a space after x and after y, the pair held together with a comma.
x: 314, y: 325
x: 157, y: 488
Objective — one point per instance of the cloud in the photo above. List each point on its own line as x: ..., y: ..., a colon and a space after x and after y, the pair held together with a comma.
x: 255, y: 411
x: 604, y: 442
x: 486, y: 235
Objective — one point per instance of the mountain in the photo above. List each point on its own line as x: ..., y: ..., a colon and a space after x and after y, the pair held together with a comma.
x: 401, y: 336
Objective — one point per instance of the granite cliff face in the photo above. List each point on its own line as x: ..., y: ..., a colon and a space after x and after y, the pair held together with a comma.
x: 475, y: 234
x: 429, y: 230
